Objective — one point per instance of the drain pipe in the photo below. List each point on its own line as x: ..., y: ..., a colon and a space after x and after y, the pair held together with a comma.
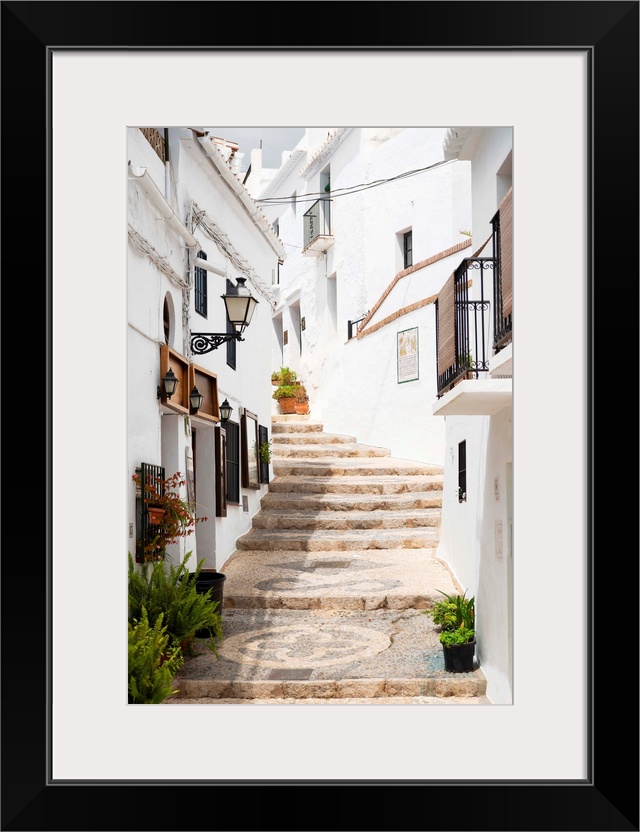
x: 205, y: 264
x: 167, y: 170
x: 141, y: 177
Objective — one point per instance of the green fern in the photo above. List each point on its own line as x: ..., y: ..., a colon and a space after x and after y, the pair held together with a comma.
x: 170, y: 590
x: 152, y: 662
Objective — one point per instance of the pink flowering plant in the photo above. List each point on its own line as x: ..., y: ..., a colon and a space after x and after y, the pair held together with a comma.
x: 178, y: 515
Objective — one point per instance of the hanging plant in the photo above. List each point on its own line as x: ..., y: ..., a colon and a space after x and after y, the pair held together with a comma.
x: 171, y: 516
x: 265, y: 452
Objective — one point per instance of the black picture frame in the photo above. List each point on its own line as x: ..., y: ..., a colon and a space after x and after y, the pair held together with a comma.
x: 250, y: 460
x: 608, y: 799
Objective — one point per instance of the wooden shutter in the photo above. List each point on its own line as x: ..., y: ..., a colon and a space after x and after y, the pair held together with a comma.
x: 446, y: 326
x: 506, y: 252
x: 233, y: 461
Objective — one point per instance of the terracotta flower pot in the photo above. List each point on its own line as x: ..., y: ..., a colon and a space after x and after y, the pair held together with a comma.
x: 287, y: 405
x: 301, y: 408
x: 155, y: 514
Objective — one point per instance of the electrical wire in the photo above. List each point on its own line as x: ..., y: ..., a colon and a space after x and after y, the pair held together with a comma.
x: 144, y: 248
x: 352, y: 189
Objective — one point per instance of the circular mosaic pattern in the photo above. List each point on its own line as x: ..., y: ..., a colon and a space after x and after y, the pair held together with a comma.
x: 293, y: 585
x: 300, y: 646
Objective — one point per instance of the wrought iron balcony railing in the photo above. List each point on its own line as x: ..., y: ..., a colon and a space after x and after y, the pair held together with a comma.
x: 463, y: 324
x: 317, y: 221
x: 468, y: 332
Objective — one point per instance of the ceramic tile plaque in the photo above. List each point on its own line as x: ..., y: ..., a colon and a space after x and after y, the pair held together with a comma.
x: 408, y: 355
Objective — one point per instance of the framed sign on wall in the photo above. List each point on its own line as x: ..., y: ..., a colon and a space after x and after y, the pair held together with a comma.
x: 408, y: 355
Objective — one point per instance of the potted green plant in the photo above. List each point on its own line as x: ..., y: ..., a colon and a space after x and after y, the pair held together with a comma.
x: 285, y: 395
x: 152, y: 661
x: 264, y: 450
x: 285, y: 376
x: 171, y: 591
x: 170, y: 514
x: 465, y: 363
x: 302, y: 400
x: 455, y: 615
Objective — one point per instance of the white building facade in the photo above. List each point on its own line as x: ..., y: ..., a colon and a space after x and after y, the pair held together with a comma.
x: 193, y: 231
x: 395, y: 308
x: 477, y: 511
x: 372, y: 220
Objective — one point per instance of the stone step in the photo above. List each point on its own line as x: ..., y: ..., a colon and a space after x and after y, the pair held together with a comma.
x: 345, y: 467
x: 345, y: 520
x: 324, y: 654
x: 372, y: 485
x: 336, y: 700
x: 311, y: 438
x: 296, y: 425
x: 323, y: 540
x: 334, y: 450
x: 295, y: 501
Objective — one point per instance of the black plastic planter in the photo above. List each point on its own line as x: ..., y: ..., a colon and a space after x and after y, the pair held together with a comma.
x: 209, y: 579
x: 214, y: 581
x: 458, y: 658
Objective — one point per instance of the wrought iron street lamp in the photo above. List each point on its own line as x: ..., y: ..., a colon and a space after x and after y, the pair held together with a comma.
x: 240, y: 306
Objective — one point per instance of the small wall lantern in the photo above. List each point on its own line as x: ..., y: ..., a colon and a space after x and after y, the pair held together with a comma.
x: 195, y: 399
x: 169, y: 383
x: 225, y: 410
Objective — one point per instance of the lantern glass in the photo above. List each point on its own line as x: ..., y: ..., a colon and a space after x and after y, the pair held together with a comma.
x: 240, y: 305
x: 225, y: 410
x: 170, y: 383
x: 195, y: 397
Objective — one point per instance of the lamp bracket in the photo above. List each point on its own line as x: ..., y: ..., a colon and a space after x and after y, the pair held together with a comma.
x: 203, y: 342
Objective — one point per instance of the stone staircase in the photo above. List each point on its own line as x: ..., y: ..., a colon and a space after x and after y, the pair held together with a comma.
x: 324, y: 596
x: 331, y: 493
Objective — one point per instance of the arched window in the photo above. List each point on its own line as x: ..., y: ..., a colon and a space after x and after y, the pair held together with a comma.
x: 168, y: 319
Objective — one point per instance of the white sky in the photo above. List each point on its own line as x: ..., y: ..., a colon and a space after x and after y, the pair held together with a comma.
x: 274, y: 141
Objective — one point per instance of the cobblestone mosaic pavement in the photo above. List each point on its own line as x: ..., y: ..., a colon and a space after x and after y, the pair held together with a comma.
x: 324, y: 654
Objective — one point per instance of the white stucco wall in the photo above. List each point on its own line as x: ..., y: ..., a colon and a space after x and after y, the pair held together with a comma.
x: 367, y: 400
x: 493, y: 146
x: 476, y: 549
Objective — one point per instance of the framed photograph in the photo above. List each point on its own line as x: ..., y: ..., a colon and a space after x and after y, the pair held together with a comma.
x: 250, y: 456
x: 78, y: 75
x: 220, y: 461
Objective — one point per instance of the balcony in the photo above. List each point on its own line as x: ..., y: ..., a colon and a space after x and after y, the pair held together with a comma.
x: 474, y: 329
x: 317, y: 228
